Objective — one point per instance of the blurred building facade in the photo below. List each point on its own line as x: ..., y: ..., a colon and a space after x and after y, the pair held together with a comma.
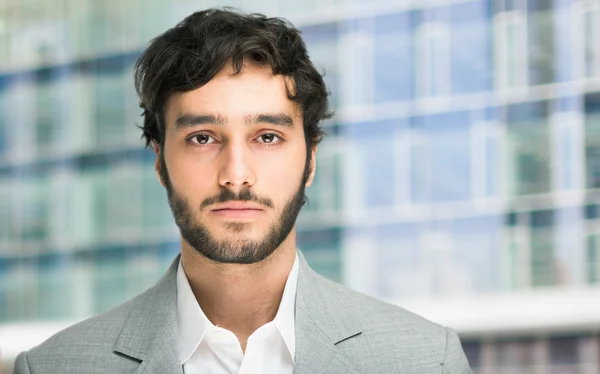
x: 462, y: 169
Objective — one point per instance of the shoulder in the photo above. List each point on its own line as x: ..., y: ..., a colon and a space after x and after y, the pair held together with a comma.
x: 372, y: 313
x: 393, y: 338
x: 97, y: 331
x: 91, y: 340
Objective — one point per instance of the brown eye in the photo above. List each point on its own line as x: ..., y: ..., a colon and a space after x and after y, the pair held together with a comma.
x: 269, y: 138
x: 202, y: 139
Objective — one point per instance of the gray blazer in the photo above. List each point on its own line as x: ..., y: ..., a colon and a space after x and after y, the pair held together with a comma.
x: 337, y: 331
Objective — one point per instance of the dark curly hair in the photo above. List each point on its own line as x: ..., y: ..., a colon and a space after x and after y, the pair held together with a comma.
x: 190, y: 54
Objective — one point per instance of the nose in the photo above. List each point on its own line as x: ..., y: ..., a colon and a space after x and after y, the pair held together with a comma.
x: 235, y: 170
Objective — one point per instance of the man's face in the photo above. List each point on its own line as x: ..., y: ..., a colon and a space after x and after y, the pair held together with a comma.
x: 233, y: 162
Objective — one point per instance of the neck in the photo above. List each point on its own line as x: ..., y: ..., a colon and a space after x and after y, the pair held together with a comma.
x: 239, y: 298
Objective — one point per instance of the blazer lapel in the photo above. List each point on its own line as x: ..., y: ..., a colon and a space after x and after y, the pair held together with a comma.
x: 322, y: 322
x: 149, y: 334
x: 163, y: 355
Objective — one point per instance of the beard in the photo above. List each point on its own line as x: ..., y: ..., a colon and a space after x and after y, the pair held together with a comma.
x: 238, y: 250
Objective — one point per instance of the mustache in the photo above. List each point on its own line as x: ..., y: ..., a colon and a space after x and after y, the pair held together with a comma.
x: 228, y: 195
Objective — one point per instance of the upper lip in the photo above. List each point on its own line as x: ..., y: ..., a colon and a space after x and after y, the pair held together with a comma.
x: 238, y: 205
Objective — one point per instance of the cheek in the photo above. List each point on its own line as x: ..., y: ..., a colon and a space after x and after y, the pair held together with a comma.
x: 188, y: 178
x: 283, y: 171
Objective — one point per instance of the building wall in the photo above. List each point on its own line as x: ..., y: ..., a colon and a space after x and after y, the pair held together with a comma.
x: 463, y: 160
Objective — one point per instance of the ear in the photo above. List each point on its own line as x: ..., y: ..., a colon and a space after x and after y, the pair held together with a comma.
x: 157, y: 161
x: 313, y: 166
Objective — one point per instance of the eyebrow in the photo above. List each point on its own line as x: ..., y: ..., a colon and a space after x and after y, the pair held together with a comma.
x: 190, y: 120
x: 280, y: 119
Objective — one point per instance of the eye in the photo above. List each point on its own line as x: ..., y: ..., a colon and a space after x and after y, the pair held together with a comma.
x: 202, y: 139
x: 269, y: 138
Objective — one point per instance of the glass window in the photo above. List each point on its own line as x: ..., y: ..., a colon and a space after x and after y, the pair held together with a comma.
x: 592, y: 140
x: 379, y: 158
x: 591, y: 44
x: 80, y: 117
x: 539, y: 5
x: 131, y: 106
x: 515, y: 354
x: 37, y: 34
x: 109, y: 285
x: 53, y: 280
x: 5, y: 39
x: 50, y: 108
x: 477, y: 242
x: 420, y: 167
x: 81, y: 289
x: 109, y: 111
x: 400, y: 268
x: 432, y: 60
x: 528, y: 136
x: 293, y: 9
x: 60, y: 184
x: 564, y: 354
x: 402, y: 168
x: 156, y: 218
x: 472, y: 350
x: 543, y: 263
x: 356, y: 68
x: 4, y: 141
x: 566, y: 151
x: 32, y: 209
x: 81, y: 207
x: 492, y: 164
x: 353, y: 171
x: 569, y: 245
x: 508, y: 5
x: 141, y: 271
x: 586, y: 41
x: 4, y: 286
x: 470, y: 38
x: 6, y: 215
x: 22, y: 98
x: 592, y: 259
x: 111, y: 25
x: 327, y: 184
x: 567, y: 140
x: 449, y: 156
x: 510, y: 50
x: 323, y: 193
x: 394, y: 60
x: 154, y: 15
x: 516, y: 252
x: 124, y: 201
x: 375, y: 141
x: 323, y: 48
x: 100, y: 204
x: 22, y: 295
x: 322, y: 249
x: 541, y: 47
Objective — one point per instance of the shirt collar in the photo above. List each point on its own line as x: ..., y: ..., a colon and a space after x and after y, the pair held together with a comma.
x: 193, y: 323
x: 285, y: 319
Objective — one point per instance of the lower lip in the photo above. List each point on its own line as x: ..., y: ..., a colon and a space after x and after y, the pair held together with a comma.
x: 237, y: 213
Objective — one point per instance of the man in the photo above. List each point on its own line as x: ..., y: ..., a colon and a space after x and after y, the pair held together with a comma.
x: 232, y: 107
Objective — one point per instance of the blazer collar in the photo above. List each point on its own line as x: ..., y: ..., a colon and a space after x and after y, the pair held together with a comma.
x: 323, y: 321
x: 149, y: 334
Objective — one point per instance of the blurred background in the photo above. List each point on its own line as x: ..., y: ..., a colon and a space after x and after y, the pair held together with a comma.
x: 460, y: 178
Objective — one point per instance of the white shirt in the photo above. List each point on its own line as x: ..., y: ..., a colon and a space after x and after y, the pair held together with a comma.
x: 206, y: 348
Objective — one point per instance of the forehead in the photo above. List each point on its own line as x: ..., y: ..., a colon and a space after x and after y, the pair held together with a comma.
x: 256, y: 90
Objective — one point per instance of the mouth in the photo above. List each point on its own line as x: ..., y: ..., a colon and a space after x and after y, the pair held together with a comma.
x: 237, y: 210
x: 237, y: 213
